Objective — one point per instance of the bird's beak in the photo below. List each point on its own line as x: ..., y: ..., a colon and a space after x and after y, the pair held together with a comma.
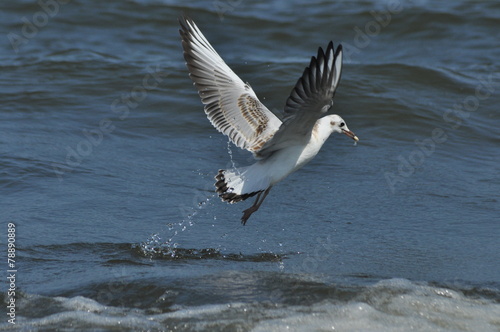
x: 350, y: 134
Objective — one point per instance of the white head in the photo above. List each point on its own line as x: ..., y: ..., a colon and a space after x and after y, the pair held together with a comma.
x: 338, y: 125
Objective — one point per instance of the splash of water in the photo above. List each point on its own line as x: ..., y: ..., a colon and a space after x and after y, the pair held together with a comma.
x: 155, y: 246
x: 169, y: 248
x: 231, y: 159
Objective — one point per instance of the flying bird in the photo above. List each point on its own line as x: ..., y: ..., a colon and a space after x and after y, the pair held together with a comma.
x: 280, y: 146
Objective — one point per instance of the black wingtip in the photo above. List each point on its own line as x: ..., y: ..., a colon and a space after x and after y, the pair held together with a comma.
x: 317, y: 78
x: 338, y: 50
x: 186, y: 24
x: 330, y: 46
x: 321, y: 53
x: 183, y: 23
x: 183, y: 19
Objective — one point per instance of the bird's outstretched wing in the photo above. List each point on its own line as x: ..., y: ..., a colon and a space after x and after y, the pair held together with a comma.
x: 310, y: 99
x: 231, y: 105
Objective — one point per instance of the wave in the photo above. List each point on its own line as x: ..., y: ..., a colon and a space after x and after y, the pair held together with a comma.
x: 291, y: 302
x: 170, y: 253
x: 133, y: 254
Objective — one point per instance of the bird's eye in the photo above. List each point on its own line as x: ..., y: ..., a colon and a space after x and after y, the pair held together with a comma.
x: 342, y: 124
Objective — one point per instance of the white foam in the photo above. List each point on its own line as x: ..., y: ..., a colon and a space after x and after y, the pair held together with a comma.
x: 80, y: 303
x: 82, y: 312
x: 393, y: 305
x: 88, y: 319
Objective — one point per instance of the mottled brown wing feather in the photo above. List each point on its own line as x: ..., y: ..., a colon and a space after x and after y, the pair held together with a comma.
x: 231, y: 105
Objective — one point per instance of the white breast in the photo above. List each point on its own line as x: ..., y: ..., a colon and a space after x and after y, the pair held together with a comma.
x: 288, y: 160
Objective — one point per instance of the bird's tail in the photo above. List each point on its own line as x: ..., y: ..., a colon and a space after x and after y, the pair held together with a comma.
x: 238, y: 184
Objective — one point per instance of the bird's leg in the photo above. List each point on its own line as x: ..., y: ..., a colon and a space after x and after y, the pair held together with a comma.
x: 248, y: 212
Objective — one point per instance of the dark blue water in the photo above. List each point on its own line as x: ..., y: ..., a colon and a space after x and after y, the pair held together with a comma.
x: 107, y: 163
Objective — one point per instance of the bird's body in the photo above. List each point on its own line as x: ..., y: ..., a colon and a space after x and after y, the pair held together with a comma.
x: 280, y: 147
x: 274, y: 168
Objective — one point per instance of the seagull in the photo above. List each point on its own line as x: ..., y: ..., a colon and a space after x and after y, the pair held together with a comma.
x: 280, y: 147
